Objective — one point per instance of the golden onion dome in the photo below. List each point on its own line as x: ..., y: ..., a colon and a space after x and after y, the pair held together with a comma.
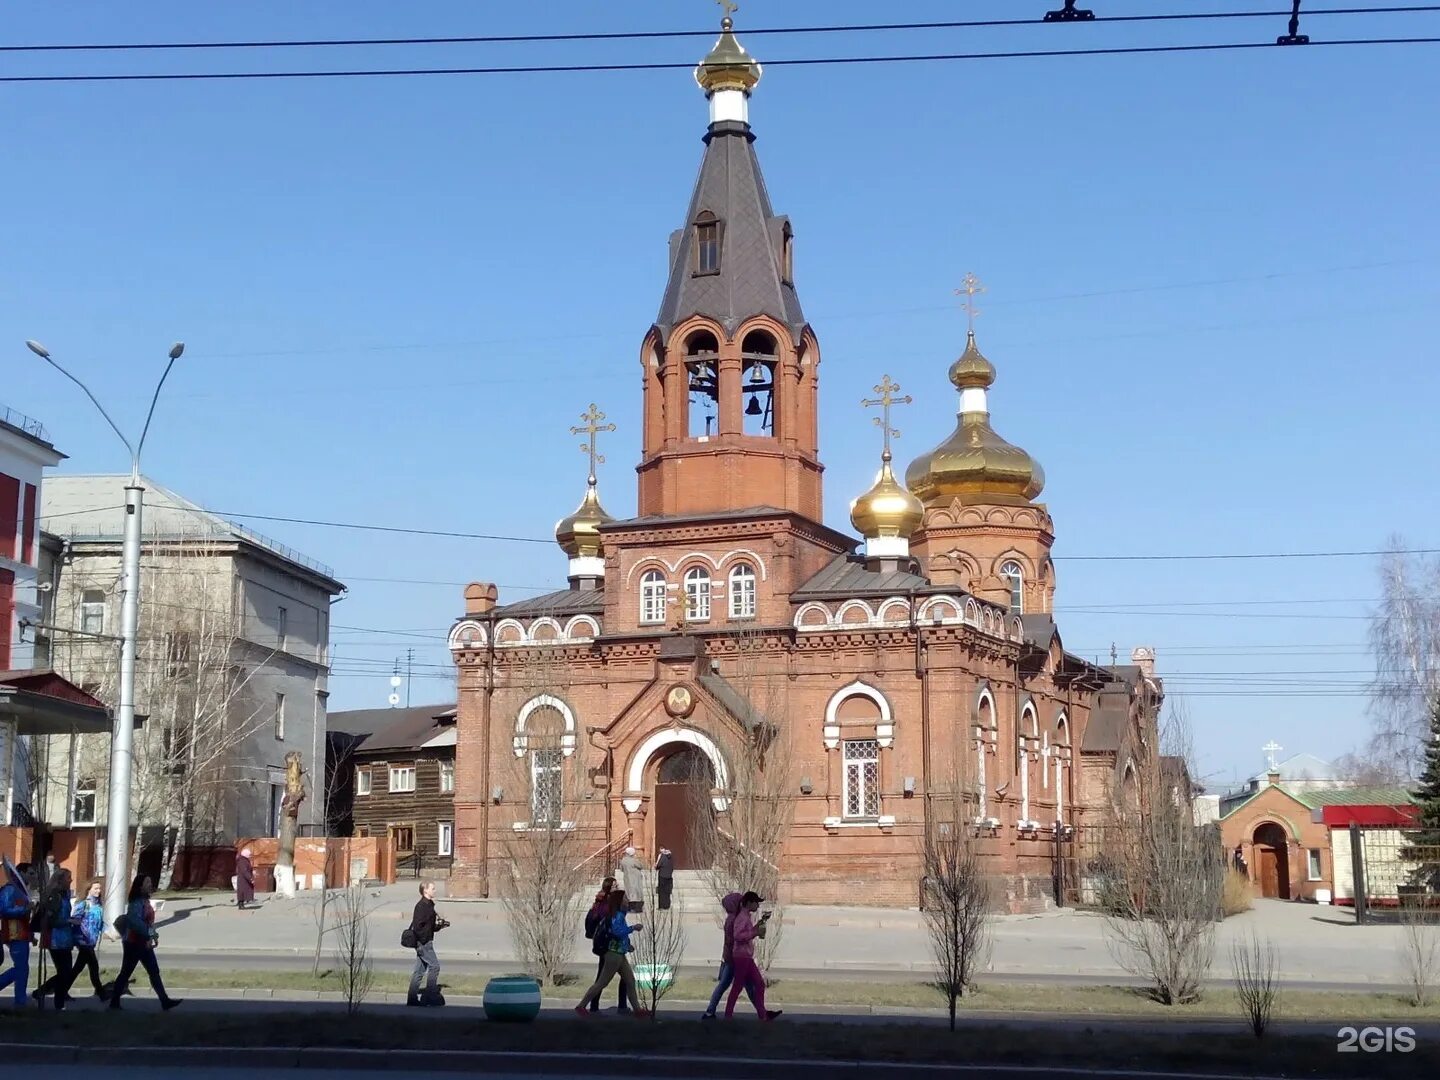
x: 728, y: 66
x: 888, y: 508
x: 579, y: 534
x: 975, y: 463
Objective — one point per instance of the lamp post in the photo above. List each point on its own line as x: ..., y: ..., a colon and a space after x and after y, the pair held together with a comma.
x: 122, y: 741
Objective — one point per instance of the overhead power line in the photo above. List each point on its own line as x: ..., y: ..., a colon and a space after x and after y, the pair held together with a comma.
x: 554, y: 69
x: 657, y: 35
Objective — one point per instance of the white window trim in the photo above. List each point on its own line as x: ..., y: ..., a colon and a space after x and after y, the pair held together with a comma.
x: 744, y: 601
x: 402, y: 769
x: 555, y: 771
x: 93, y: 789
x: 445, y: 830
x: 698, y: 584
x: 653, y: 593
x: 364, y: 781
x: 1014, y: 575
x: 447, y: 778
x: 1319, y: 860
x: 92, y: 607
x: 845, y: 763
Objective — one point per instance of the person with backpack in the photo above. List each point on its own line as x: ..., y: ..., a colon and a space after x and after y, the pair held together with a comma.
x: 616, y: 961
x: 15, y: 932
x: 57, y: 936
x: 598, y: 914
x: 138, y: 940
x: 420, y: 936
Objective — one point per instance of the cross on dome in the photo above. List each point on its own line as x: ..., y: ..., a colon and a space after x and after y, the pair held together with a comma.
x: 887, y: 391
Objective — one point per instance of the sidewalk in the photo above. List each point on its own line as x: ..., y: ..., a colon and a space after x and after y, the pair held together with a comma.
x: 1316, y: 944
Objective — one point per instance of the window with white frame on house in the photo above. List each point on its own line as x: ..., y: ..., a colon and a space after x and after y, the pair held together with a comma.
x: 652, y: 597
x: 742, y: 592
x: 697, y: 595
x: 1014, y: 575
x: 92, y: 611
x: 82, y: 807
x: 862, y: 778
x: 362, y: 781
x: 447, y: 777
x: 445, y: 838
x: 1315, y: 867
x: 402, y: 778
x: 280, y: 717
x: 547, y: 791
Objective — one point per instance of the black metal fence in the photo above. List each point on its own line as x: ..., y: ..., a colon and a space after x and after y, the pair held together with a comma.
x: 1385, y: 873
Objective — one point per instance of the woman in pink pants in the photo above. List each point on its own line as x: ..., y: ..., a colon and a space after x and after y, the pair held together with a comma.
x: 747, y: 973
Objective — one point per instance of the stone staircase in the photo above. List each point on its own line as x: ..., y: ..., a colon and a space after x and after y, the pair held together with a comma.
x: 692, y: 894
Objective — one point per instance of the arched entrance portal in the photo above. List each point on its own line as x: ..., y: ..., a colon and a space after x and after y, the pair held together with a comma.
x: 1272, y: 861
x: 684, y: 781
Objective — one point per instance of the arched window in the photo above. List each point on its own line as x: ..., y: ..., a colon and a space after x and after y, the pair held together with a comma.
x: 1062, y: 743
x: 652, y: 597
x: 742, y: 592
x: 757, y: 382
x: 707, y: 243
x: 697, y: 594
x: 1014, y: 575
x: 984, y: 724
x: 1025, y: 733
x: 702, y: 382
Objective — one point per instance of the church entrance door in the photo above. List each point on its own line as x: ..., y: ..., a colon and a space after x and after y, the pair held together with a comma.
x: 682, y: 794
x: 1272, y: 861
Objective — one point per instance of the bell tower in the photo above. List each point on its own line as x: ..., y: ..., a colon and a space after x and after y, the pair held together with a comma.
x: 730, y: 365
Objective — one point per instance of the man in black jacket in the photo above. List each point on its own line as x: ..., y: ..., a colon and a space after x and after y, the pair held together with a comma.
x: 423, y: 924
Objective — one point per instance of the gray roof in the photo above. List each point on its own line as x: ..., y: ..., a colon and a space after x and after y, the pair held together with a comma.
x: 1039, y: 630
x: 91, y: 509
x: 847, y: 575
x: 560, y: 602
x: 734, y: 702
x: 749, y: 282
x: 391, y: 729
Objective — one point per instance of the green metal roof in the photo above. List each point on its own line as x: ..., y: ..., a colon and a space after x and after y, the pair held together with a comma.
x: 1355, y: 796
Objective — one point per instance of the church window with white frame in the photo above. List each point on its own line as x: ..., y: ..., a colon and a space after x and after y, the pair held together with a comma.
x: 547, y: 789
x: 697, y: 594
x: 742, y: 592
x: 652, y: 597
x: 862, y: 778
x: 1014, y: 575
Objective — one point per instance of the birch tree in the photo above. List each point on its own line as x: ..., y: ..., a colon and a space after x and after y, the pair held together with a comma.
x: 1405, y: 636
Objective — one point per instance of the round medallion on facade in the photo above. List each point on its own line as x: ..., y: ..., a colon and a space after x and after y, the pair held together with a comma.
x: 679, y: 701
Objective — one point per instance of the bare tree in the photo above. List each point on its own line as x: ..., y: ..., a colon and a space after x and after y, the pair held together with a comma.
x: 1256, y: 966
x: 289, y: 818
x: 659, y: 949
x: 1405, y: 636
x: 739, y: 828
x: 1419, y: 950
x: 194, y: 685
x: 352, y: 946
x: 957, y: 902
x: 543, y: 884
x: 1168, y: 873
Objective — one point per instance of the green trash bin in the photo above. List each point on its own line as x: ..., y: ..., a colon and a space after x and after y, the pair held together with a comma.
x: 512, y: 998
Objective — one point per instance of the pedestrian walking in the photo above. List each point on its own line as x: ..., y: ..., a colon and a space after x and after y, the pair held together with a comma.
x: 46, y: 870
x: 632, y: 872
x: 616, y: 930
x: 88, y: 917
x: 599, y: 913
x: 664, y: 878
x: 731, y: 905
x: 421, y: 935
x: 15, y: 930
x: 747, y: 972
x: 244, y: 878
x: 57, y: 936
x: 138, y: 940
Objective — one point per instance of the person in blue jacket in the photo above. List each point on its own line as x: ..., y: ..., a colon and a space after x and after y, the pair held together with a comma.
x: 616, y: 960
x: 15, y: 931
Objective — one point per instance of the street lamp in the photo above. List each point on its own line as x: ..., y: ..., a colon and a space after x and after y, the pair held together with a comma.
x: 122, y: 742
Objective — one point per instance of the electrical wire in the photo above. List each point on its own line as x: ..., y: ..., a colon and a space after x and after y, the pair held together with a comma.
x: 654, y: 35
x: 554, y: 69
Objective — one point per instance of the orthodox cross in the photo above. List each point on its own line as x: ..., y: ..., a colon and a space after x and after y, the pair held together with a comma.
x: 887, y: 391
x: 970, y: 289
x: 590, y: 429
x: 1271, y: 748
x: 728, y: 6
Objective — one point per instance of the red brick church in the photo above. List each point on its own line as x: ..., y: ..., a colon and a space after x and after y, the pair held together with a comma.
x: 887, y: 663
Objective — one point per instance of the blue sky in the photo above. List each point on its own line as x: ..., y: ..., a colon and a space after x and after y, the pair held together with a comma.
x: 1212, y: 280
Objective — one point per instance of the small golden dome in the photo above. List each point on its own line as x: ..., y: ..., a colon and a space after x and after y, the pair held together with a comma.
x: 887, y: 509
x: 728, y: 66
x: 579, y: 534
x: 975, y: 463
x: 972, y: 369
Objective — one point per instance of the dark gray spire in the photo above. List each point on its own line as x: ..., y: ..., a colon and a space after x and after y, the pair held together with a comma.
x: 752, y: 275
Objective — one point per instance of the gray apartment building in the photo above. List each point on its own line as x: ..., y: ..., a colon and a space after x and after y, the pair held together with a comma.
x: 233, y: 663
